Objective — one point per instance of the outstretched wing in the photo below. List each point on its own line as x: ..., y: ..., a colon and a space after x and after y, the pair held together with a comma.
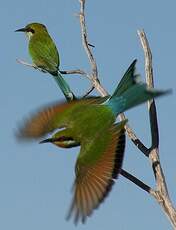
x: 50, y: 118
x: 95, y: 177
x: 44, y: 121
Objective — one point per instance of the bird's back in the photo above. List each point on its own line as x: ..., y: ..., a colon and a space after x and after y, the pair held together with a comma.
x: 88, y: 120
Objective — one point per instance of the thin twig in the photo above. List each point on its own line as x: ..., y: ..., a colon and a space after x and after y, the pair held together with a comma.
x: 136, y: 181
x: 75, y: 71
x: 30, y: 65
x: 161, y: 194
x: 131, y: 134
x: 85, y: 40
x: 84, y: 36
x: 88, y: 91
x: 65, y: 72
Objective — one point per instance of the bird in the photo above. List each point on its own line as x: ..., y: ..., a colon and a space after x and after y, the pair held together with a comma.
x: 90, y: 123
x: 45, y: 55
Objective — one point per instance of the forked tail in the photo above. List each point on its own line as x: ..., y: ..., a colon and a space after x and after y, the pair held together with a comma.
x: 131, y: 92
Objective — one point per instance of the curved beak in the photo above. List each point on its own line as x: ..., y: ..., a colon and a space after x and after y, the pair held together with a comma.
x: 21, y: 30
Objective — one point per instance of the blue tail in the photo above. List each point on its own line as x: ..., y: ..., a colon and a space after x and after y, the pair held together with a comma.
x: 64, y: 87
x: 130, y: 92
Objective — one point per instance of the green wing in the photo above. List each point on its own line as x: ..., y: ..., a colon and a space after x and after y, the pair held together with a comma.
x: 51, y: 117
x: 94, y: 178
x: 44, y: 53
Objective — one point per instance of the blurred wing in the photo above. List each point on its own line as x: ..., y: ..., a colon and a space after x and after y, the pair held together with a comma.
x: 94, y: 180
x: 43, y: 121
x: 49, y: 118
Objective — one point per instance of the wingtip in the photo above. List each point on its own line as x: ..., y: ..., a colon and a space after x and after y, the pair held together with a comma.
x: 19, y: 135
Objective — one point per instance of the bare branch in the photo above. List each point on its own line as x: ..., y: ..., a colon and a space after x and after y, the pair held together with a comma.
x: 76, y: 71
x: 30, y: 65
x: 85, y: 40
x: 133, y: 137
x: 65, y: 72
x: 162, y: 196
x: 84, y: 36
x: 137, y: 182
x: 150, y: 83
x: 88, y: 91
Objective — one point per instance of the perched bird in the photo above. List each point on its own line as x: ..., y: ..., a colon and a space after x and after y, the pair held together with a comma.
x: 45, y: 55
x: 91, y: 123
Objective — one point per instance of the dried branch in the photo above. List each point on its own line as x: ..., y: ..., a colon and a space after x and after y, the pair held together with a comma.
x: 65, y: 72
x: 94, y: 76
x: 150, y: 83
x: 30, y: 65
x: 136, y: 181
x: 76, y: 71
x: 161, y: 193
x: 88, y: 91
x: 85, y: 40
x: 131, y: 134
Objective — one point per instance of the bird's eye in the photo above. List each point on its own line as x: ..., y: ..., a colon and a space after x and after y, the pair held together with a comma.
x: 31, y: 30
x: 63, y: 138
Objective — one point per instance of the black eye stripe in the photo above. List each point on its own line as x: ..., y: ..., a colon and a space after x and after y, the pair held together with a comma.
x: 63, y: 138
x: 30, y: 30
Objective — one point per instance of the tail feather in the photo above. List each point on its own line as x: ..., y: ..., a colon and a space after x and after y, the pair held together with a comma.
x: 130, y: 92
x: 129, y: 79
x: 136, y: 95
x: 63, y: 85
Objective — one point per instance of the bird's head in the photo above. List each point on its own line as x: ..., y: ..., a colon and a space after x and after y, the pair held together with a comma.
x: 61, y: 141
x: 33, y: 28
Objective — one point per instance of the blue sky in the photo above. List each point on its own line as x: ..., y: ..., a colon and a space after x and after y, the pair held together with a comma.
x: 36, y: 180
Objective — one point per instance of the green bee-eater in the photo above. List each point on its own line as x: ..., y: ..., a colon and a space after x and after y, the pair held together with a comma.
x: 91, y: 123
x: 45, y: 55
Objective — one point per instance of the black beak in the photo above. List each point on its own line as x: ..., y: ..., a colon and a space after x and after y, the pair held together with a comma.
x: 21, y: 30
x: 49, y: 140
